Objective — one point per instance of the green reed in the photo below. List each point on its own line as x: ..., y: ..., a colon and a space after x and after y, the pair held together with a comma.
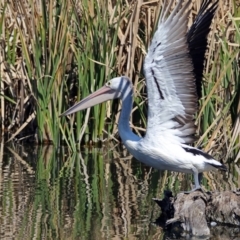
x: 68, y: 51
x: 96, y: 40
x: 217, y: 118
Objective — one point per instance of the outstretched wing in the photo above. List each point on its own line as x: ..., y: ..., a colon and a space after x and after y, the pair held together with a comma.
x: 173, y: 69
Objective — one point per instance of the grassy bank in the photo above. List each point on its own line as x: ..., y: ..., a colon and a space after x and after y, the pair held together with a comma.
x: 54, y: 54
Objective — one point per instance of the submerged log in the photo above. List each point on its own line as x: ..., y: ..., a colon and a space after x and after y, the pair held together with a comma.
x: 195, y: 212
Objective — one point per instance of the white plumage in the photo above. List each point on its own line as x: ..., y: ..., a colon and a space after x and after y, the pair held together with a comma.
x: 173, y: 69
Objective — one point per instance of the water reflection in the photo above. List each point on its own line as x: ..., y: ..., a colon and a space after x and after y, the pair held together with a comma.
x: 47, y: 193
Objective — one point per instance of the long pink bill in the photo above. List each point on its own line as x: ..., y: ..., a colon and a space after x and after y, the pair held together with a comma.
x: 101, y: 95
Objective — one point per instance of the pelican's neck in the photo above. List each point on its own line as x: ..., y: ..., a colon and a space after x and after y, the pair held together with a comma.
x: 124, y: 129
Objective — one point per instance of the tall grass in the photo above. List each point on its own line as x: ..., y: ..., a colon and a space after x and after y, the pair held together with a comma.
x: 55, y: 54
x: 219, y: 110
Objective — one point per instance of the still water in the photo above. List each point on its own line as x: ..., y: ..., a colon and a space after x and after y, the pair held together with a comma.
x: 48, y: 193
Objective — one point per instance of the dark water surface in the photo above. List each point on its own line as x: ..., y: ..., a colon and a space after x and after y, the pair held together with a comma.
x: 96, y: 194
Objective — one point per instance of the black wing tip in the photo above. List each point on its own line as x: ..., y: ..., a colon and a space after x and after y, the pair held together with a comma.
x: 196, y: 151
x: 197, y: 39
x: 221, y: 167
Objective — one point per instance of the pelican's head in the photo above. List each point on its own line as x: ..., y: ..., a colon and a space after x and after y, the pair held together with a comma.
x: 115, y: 88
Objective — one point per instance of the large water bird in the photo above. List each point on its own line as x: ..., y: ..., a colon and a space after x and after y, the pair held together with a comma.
x: 173, y: 69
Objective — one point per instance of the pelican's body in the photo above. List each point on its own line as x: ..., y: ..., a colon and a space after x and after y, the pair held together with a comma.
x: 173, y: 70
x: 163, y: 154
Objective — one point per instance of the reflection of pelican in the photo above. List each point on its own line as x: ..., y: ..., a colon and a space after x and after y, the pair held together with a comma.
x: 173, y: 69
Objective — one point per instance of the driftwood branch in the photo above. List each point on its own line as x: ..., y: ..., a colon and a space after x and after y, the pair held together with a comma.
x: 195, y: 212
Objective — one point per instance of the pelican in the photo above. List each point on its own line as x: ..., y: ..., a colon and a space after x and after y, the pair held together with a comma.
x: 173, y: 69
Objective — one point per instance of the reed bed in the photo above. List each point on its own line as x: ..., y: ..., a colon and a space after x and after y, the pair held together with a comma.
x: 57, y: 52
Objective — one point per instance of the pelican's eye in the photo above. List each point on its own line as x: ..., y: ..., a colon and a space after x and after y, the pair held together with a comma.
x: 108, y: 84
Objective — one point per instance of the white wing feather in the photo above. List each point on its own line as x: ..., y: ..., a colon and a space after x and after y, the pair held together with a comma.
x: 172, y: 97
